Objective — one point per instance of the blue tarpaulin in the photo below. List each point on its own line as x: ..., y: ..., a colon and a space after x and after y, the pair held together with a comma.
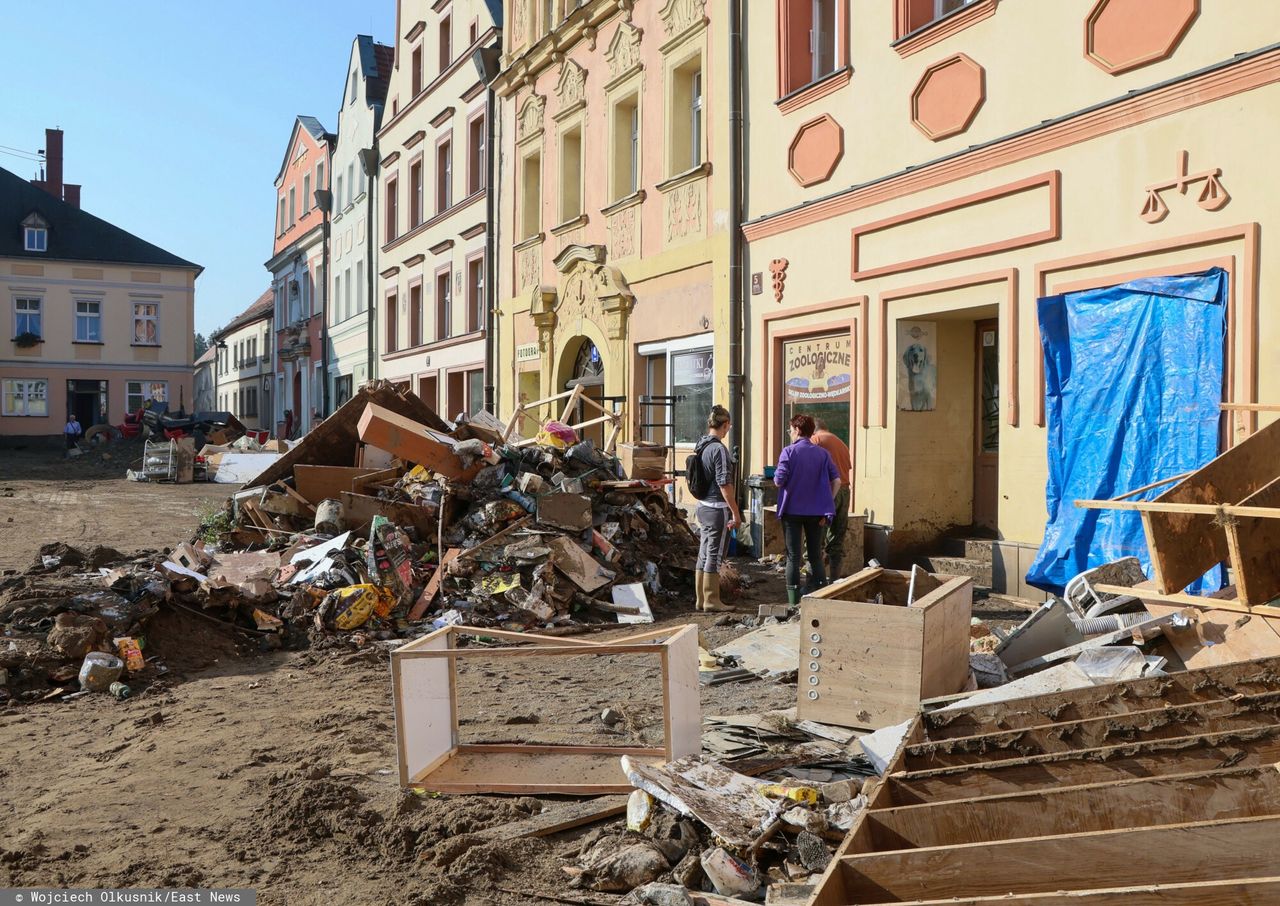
x: 1133, y: 379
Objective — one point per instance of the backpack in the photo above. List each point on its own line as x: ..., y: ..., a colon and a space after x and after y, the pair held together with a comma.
x: 697, y: 476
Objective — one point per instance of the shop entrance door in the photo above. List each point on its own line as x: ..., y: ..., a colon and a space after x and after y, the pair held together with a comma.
x: 87, y: 400
x: 588, y: 373
x: 986, y: 427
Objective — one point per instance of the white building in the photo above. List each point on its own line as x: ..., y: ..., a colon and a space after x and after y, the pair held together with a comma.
x: 352, y: 356
x: 243, y: 376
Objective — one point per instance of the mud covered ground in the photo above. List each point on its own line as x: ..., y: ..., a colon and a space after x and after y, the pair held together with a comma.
x: 277, y: 770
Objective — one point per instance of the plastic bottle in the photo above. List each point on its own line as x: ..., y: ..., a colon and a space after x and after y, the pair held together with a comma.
x: 120, y: 690
x: 99, y: 671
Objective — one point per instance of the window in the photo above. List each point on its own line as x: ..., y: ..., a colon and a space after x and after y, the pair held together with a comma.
x: 444, y: 176
x: 446, y: 42
x: 477, y: 134
x: 392, y: 327
x: 138, y: 393
x: 570, y: 174
x: 306, y: 192
x: 548, y: 15
x: 284, y: 217
x: 24, y: 397
x: 811, y: 44
x: 342, y: 389
x: 334, y: 309
x: 250, y: 405
x: 351, y: 183
x: 320, y: 175
x: 35, y: 239
x: 146, y: 324
x: 415, y: 193
x: 474, y: 32
x: 346, y: 299
x: 475, y: 390
x: 415, y: 315
x: 475, y: 294
x: 626, y: 147
x: 363, y: 179
x: 352, y: 90
x: 359, y: 286
x: 417, y: 70
x: 293, y: 206
x: 392, y: 215
x: 26, y: 317
x: 88, y: 322
x: 817, y: 379
x: 337, y: 195
x: 531, y: 196
x: 692, y: 377
x: 919, y: 13
x: 444, y: 305
x: 686, y: 125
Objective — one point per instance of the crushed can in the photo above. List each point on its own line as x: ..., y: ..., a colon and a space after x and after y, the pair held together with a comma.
x: 119, y: 690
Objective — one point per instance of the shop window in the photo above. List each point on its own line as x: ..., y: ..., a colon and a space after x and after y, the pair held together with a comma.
x: 475, y: 390
x: 810, y: 41
x: 415, y: 315
x: 531, y: 196
x: 684, y: 374
x: 26, y: 317
x: 817, y: 380
x: 475, y: 294
x: 444, y: 305
x: 25, y: 397
x: 88, y: 322
x: 571, y: 174
x: 626, y: 147
x: 686, y: 112
x: 476, y: 138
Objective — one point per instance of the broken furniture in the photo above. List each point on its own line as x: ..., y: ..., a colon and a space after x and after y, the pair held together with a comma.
x: 872, y: 646
x: 1160, y: 790
x: 1229, y: 509
x: 571, y: 400
x: 431, y: 756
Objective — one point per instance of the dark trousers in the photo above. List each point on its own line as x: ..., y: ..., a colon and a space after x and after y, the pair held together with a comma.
x: 810, y: 531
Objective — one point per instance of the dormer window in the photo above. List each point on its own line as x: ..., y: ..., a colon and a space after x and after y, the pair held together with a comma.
x: 35, y: 234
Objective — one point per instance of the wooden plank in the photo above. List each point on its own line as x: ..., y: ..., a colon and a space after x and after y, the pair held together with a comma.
x: 1222, y: 636
x: 1183, y: 754
x: 360, y: 484
x: 1201, y: 601
x: 318, y: 483
x: 358, y: 511
x: 495, y: 538
x: 302, y: 501
x: 1139, y: 726
x: 412, y: 442
x: 1155, y: 484
x: 184, y: 459
x: 559, y: 817
x: 1232, y: 892
x: 1184, y: 546
x: 681, y: 695
x: 1249, y: 792
x: 532, y: 773
x: 1254, y: 546
x: 1192, y: 852
x: 944, y: 667
x: 433, y: 585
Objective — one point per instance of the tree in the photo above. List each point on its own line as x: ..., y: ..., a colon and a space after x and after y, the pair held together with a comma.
x: 202, y: 344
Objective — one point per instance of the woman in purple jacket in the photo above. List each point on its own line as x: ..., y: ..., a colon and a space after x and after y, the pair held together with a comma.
x: 807, y: 481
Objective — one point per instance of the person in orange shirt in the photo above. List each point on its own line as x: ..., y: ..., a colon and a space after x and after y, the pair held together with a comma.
x: 840, y: 524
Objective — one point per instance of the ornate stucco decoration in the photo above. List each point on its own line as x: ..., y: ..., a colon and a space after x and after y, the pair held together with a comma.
x: 571, y: 89
x: 1213, y: 196
x: 529, y: 121
x: 593, y: 290
x: 623, y: 52
x: 542, y: 309
x: 681, y: 15
x: 778, y: 268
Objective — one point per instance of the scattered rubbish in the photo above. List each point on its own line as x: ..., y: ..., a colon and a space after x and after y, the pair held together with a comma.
x: 729, y: 876
x: 119, y: 691
x: 99, y: 671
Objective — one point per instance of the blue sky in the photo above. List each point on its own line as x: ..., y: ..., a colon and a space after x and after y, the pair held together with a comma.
x: 176, y: 115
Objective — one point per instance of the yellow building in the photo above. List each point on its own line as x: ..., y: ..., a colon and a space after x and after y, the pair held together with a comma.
x: 923, y: 171
x: 613, y: 210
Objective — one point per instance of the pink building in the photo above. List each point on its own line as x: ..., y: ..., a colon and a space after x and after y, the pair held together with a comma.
x: 297, y: 277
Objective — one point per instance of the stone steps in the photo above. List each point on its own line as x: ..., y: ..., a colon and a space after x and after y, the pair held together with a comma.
x: 980, y: 570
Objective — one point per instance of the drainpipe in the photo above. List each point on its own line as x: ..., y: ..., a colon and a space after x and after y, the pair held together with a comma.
x: 369, y: 161
x: 486, y: 61
x: 324, y: 201
x: 735, y: 226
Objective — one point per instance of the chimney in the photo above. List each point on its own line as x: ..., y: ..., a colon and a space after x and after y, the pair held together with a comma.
x: 71, y: 195
x: 53, y: 157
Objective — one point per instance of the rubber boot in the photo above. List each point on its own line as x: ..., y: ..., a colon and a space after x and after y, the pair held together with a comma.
x: 699, y: 578
x: 793, y: 595
x: 711, y: 602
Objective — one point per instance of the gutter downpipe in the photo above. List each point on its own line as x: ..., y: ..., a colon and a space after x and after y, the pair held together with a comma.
x: 324, y: 326
x: 369, y: 161
x: 486, y: 61
x: 736, y: 145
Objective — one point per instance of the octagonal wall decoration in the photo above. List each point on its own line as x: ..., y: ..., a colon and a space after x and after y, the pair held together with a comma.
x: 1120, y: 35
x: 948, y: 97
x: 816, y: 149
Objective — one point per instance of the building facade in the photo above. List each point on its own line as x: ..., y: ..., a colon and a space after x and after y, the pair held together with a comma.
x: 203, y: 376
x: 918, y: 180
x: 434, y: 179
x: 245, y: 375
x: 298, y: 279
x: 613, y: 223
x: 352, y: 356
x: 101, y: 320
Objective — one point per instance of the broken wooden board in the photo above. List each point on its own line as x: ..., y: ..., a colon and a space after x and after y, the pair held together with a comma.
x: 319, y: 483
x: 769, y: 651
x: 1254, y: 545
x: 579, y: 566
x: 571, y: 512
x: 728, y: 803
x: 559, y: 817
x: 433, y: 585
x: 1221, y: 636
x: 359, y: 509
x: 412, y: 442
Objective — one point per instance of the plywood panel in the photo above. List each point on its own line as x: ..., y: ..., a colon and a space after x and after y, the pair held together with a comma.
x: 945, y: 658
x: 1179, y: 799
x: 1221, y: 636
x: 477, y: 769
x: 1217, y: 850
x: 1184, y: 545
x: 681, y: 693
x: 423, y: 708
x: 317, y: 483
x: 1236, y: 892
x: 1254, y: 543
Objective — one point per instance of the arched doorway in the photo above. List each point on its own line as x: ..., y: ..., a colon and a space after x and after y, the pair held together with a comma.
x: 588, y: 373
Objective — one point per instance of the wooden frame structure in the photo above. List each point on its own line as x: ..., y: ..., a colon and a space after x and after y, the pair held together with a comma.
x: 431, y: 756
x: 868, y: 657
x: 1225, y: 510
x: 1160, y: 790
x: 571, y: 398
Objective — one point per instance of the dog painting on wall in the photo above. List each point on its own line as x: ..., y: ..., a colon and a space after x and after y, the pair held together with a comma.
x: 917, y: 366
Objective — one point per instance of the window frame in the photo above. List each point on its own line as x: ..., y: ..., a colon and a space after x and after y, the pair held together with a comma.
x: 444, y: 32
x: 391, y: 327
x: 475, y: 291
x: 625, y: 136
x: 391, y: 209
x: 417, y: 82
x: 443, y: 302
x: 530, y: 208
x: 32, y: 233
x: 477, y: 151
x: 416, y: 333
x: 143, y: 394
x: 154, y: 318
x: 444, y: 173
x: 90, y: 317
x: 417, y: 193
x: 796, y: 39
x: 669, y: 349
x: 572, y: 174
x: 26, y: 384
x: 28, y: 314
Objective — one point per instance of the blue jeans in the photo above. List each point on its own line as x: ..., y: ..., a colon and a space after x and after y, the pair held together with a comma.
x: 810, y: 531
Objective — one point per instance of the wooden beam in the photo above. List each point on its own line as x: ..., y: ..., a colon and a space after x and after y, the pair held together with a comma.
x: 1201, y: 601
x: 1233, y: 892
x: 1155, y: 484
x: 1254, y: 547
x: 1216, y: 510
x: 1191, y: 852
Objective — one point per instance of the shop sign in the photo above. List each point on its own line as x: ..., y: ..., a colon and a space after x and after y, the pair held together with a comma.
x: 818, y: 369
x: 526, y: 352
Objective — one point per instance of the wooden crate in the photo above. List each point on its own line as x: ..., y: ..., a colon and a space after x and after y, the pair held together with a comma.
x: 867, y: 659
x: 431, y: 756
x: 647, y: 461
